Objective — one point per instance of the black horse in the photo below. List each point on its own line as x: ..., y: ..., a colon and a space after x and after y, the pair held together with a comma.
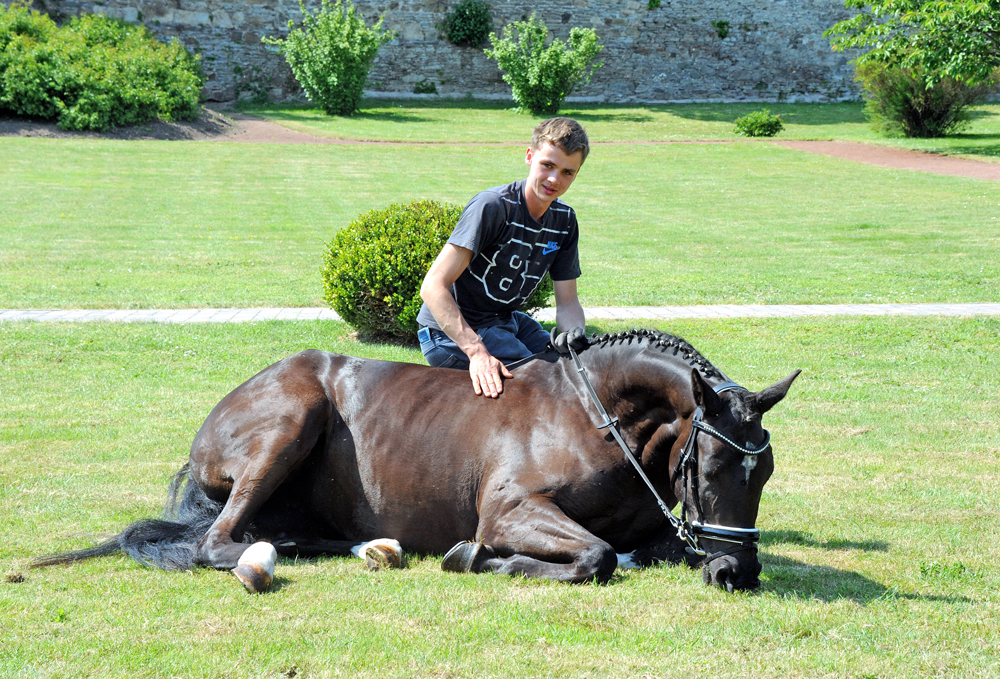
x: 320, y: 452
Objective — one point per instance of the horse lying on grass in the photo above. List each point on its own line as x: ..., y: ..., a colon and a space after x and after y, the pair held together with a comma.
x: 321, y: 453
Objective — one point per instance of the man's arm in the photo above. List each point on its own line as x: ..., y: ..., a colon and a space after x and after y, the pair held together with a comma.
x: 569, y: 312
x: 487, y: 372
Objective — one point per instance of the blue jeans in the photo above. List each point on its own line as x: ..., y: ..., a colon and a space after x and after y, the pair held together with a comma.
x: 511, y: 340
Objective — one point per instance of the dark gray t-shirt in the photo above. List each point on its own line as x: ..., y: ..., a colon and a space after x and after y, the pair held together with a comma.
x: 511, y: 253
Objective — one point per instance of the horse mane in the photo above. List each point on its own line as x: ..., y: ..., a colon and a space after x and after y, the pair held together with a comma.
x: 661, y: 340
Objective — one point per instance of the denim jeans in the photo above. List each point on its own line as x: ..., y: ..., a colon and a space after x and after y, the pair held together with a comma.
x: 511, y: 340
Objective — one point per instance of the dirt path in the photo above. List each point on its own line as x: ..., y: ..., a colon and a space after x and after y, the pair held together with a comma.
x: 898, y: 158
x: 228, y: 126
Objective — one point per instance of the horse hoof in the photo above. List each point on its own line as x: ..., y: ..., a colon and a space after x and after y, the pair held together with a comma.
x: 255, y: 569
x: 380, y: 554
x: 465, y: 555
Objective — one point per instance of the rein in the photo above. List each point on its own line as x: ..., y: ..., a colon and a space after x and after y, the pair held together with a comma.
x: 688, y: 531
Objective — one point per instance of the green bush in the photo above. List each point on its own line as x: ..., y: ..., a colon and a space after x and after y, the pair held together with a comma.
x: 469, y: 23
x: 373, y: 268
x: 899, y: 102
x: 93, y: 74
x: 332, y: 54
x: 542, y: 77
x: 759, y: 124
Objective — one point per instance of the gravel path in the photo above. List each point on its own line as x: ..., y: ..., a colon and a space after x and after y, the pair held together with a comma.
x: 607, y: 313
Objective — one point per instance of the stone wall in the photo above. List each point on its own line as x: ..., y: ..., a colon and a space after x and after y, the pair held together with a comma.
x: 772, y: 50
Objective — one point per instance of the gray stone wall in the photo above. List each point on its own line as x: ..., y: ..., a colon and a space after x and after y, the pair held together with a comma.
x: 773, y: 51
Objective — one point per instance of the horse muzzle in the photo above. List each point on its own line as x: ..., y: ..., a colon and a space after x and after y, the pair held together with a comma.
x: 733, y: 572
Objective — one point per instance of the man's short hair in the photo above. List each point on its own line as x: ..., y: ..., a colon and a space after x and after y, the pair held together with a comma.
x: 565, y: 133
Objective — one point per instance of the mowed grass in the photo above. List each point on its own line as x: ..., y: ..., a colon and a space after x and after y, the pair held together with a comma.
x: 95, y: 224
x: 879, y: 548
x: 495, y: 122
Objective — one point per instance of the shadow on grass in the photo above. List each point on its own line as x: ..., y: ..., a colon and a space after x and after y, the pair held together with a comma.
x: 797, y: 537
x: 791, y: 114
x: 788, y: 577
x: 301, y: 114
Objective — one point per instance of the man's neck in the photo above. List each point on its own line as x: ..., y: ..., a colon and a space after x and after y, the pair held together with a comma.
x: 536, y: 206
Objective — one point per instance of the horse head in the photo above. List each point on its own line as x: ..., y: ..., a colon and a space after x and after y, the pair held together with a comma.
x: 701, y: 438
x: 720, y: 475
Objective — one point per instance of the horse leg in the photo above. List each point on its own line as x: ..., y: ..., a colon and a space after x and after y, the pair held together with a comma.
x: 378, y: 554
x: 269, y: 451
x: 664, y: 547
x: 536, y: 539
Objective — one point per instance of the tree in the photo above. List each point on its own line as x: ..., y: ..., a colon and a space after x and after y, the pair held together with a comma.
x: 957, y: 39
x: 332, y: 53
x: 542, y: 77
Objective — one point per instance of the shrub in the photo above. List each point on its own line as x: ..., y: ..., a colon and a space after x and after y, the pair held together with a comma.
x: 373, y: 268
x: 93, y: 74
x: 542, y: 77
x: 899, y: 102
x: 332, y: 54
x: 469, y: 23
x: 759, y: 124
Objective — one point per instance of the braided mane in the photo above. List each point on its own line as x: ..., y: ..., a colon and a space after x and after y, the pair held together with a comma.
x: 660, y: 340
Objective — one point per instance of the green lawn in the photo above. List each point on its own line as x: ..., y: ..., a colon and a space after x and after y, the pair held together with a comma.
x: 97, y: 224
x: 880, y: 524
x: 472, y: 121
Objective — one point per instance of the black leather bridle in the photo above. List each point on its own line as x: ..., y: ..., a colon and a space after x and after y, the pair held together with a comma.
x: 688, y: 531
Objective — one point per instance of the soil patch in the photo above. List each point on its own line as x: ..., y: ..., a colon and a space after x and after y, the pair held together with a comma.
x: 209, y: 125
x: 900, y: 159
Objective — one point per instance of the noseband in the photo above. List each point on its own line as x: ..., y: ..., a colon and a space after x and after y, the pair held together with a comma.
x: 688, y: 531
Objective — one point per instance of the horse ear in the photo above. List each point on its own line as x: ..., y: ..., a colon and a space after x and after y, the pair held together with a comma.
x: 704, y: 395
x: 765, y: 399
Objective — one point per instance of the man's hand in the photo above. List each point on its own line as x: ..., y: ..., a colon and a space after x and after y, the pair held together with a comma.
x: 487, y: 373
x: 574, y: 337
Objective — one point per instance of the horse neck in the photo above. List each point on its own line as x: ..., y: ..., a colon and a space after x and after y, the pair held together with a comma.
x: 620, y: 374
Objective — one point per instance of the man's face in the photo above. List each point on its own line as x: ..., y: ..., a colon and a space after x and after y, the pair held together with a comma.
x: 552, y: 171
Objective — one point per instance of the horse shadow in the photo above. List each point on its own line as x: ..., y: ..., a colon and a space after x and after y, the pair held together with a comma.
x: 787, y: 577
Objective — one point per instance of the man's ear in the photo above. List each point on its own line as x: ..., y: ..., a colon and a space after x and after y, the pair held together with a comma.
x: 704, y: 395
x: 527, y: 157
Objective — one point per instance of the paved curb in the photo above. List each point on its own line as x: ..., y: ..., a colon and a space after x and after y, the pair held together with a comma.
x: 609, y: 313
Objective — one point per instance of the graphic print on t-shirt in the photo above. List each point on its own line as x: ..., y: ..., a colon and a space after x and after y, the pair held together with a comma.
x: 509, y: 273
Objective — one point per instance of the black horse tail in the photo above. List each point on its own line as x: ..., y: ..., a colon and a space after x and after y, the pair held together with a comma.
x: 167, y: 543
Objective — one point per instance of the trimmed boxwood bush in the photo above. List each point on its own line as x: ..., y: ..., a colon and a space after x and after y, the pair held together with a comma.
x: 759, y: 124
x: 93, y: 74
x: 373, y: 268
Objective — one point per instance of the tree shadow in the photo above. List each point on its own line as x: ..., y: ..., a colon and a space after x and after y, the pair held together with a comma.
x: 791, y: 114
x: 785, y: 577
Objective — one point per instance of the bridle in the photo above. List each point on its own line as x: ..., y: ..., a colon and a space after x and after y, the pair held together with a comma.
x: 688, y: 531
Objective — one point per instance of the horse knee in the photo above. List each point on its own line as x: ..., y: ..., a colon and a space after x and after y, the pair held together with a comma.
x: 598, y: 561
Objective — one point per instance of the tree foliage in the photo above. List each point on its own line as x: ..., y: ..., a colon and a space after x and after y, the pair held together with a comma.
x: 332, y: 53
x: 540, y: 76
x: 957, y: 39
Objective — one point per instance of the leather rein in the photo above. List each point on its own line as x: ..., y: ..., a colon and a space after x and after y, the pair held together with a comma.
x: 688, y: 531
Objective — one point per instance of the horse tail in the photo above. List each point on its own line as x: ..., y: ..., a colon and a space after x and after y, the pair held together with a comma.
x: 167, y: 543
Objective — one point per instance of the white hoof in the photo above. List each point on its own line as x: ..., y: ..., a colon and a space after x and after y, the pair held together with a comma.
x: 255, y: 569
x: 625, y: 561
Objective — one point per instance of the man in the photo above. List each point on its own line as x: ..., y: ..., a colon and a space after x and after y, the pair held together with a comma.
x: 507, y: 238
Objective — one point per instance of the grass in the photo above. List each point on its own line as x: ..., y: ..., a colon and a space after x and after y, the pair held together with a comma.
x: 495, y: 122
x: 879, y: 550
x: 99, y: 224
